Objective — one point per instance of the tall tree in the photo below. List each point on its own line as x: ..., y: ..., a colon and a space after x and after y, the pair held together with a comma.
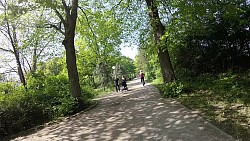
x: 159, y: 31
x: 9, y: 30
x: 99, y: 37
x: 69, y: 23
x: 67, y: 14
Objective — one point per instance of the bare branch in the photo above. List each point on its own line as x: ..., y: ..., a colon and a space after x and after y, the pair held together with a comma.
x: 117, y: 4
x: 57, y: 28
x: 87, y: 21
x: 166, y: 9
x: 7, y: 50
x: 3, y: 4
x: 39, y: 54
x: 60, y: 16
x: 5, y: 33
x: 12, y: 69
x: 27, y: 61
x: 3, y: 30
x: 10, y: 36
x: 9, y: 71
x: 53, y: 26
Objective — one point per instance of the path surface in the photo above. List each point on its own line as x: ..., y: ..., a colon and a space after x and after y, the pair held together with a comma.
x: 136, y: 115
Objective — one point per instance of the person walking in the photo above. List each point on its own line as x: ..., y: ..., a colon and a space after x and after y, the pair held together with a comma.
x: 124, y: 83
x: 117, y: 86
x: 142, y: 75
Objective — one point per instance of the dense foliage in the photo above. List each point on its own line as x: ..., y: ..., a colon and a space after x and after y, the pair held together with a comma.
x: 46, y: 99
x: 203, y: 37
x: 215, y: 36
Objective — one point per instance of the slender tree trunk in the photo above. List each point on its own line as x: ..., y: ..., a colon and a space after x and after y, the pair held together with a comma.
x: 34, y: 60
x: 14, y: 43
x: 69, y: 44
x: 19, y: 69
x: 159, y: 29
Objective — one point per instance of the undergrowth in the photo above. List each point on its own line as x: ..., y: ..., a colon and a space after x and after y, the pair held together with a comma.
x: 223, y: 99
x: 45, y: 99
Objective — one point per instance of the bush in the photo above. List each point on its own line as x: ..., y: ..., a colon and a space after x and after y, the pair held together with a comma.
x: 6, y: 88
x: 171, y: 89
x: 87, y: 93
x: 46, y: 98
x: 19, y: 111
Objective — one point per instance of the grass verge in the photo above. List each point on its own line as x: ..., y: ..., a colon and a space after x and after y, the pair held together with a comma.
x: 224, y: 100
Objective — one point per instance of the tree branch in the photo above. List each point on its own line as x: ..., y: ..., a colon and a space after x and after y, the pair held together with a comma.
x: 39, y: 54
x: 13, y: 69
x: 55, y: 27
x: 27, y: 61
x: 9, y: 71
x: 87, y: 21
x: 67, y: 10
x: 5, y: 33
x: 117, y: 4
x: 4, y: 5
x: 3, y: 30
x: 7, y: 50
x: 72, y: 15
x: 60, y: 16
x: 166, y: 9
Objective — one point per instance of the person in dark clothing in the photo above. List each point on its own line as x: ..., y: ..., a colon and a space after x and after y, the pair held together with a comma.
x: 124, y: 83
x: 142, y: 75
x: 117, y: 86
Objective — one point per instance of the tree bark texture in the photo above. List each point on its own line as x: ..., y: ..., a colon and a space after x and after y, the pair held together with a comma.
x: 34, y: 60
x: 159, y: 30
x: 69, y: 44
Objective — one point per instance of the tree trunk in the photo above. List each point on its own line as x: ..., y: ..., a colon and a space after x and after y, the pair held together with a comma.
x: 69, y: 44
x: 72, y: 68
x: 14, y: 43
x: 19, y: 69
x: 34, y: 60
x: 163, y: 55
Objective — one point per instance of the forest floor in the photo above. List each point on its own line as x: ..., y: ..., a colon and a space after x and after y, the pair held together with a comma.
x: 138, y: 114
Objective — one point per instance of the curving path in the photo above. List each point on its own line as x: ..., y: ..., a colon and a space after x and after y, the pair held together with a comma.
x: 135, y: 115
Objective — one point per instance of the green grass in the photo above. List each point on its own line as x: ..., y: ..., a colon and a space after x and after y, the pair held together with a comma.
x: 224, y: 100
x: 100, y: 91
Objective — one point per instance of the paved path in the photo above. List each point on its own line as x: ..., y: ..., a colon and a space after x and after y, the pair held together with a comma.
x: 136, y: 115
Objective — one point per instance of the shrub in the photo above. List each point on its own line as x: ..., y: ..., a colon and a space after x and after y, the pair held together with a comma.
x: 6, y: 88
x: 47, y: 98
x: 87, y: 93
x: 19, y: 111
x: 171, y: 89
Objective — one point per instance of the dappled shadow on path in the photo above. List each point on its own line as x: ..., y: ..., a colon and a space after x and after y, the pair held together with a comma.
x: 138, y: 114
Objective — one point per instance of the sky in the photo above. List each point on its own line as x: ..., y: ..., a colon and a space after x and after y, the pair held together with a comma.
x: 129, y: 50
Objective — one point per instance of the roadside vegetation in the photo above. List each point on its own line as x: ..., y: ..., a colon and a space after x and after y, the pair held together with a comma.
x: 222, y: 99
